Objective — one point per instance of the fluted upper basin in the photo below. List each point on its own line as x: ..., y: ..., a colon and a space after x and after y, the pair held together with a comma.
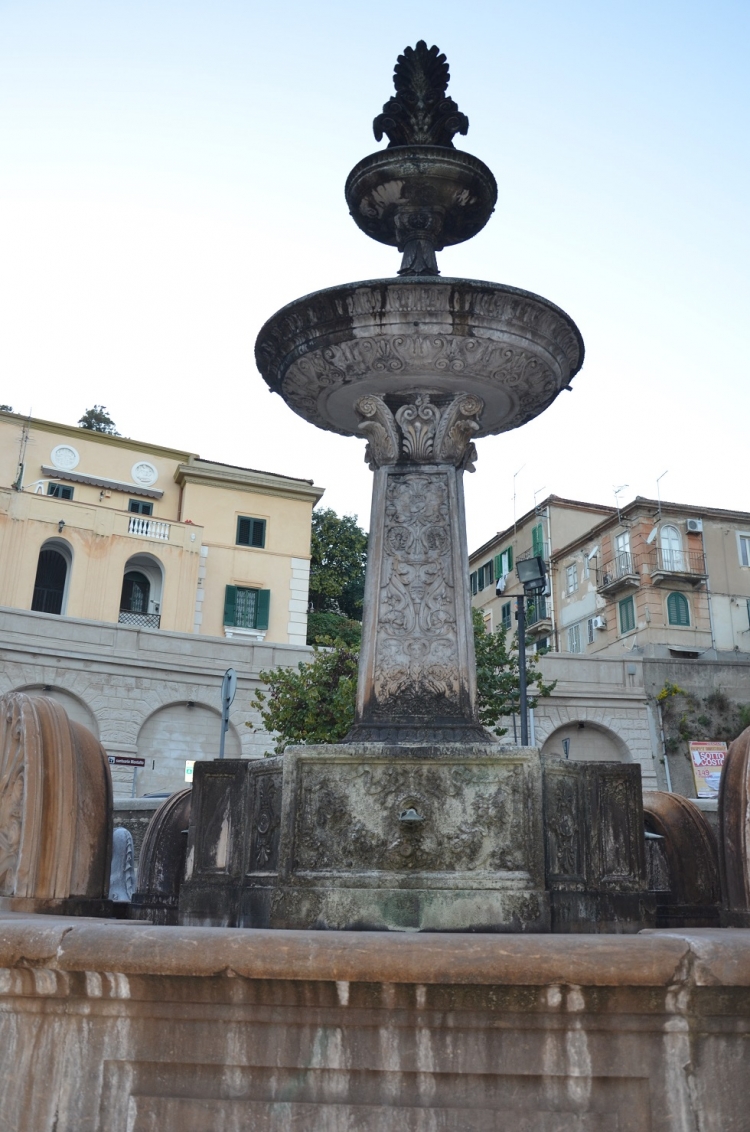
x: 513, y: 349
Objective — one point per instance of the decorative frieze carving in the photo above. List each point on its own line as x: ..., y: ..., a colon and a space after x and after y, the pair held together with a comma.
x: 421, y: 432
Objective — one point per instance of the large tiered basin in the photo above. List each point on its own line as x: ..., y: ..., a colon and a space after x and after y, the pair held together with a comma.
x: 514, y: 349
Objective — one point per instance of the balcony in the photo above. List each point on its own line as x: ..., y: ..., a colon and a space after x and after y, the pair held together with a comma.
x: 669, y: 567
x: 139, y: 620
x: 542, y: 549
x: 621, y: 573
x: 538, y: 619
x: 148, y: 528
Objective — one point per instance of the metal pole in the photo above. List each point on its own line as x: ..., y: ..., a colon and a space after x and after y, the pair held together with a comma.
x: 521, y: 619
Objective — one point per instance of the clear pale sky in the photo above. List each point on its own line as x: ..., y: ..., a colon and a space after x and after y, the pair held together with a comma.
x: 172, y: 173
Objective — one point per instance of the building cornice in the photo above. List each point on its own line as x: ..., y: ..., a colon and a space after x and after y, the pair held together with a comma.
x: 536, y: 512
x: 73, y: 431
x: 244, y: 479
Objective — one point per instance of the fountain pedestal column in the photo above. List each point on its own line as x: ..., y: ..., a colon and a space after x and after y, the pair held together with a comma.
x: 417, y: 672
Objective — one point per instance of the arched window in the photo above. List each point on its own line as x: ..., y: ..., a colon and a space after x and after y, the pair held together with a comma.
x: 671, y: 549
x: 51, y: 579
x: 678, y: 610
x: 136, y: 590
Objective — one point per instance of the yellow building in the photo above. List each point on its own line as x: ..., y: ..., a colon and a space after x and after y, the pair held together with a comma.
x: 103, y: 528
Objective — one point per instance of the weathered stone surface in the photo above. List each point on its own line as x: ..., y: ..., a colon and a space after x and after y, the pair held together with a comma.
x: 594, y: 847
x: 55, y: 804
x: 417, y: 670
x: 683, y: 862
x: 233, y: 842
x: 108, y: 1028
x: 431, y: 838
x: 161, y: 868
x: 734, y: 827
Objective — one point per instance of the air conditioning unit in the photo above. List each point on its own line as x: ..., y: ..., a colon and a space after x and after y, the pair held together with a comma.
x: 695, y: 526
x: 599, y: 622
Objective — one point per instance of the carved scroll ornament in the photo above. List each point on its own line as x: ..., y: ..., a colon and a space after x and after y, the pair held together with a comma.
x: 421, y: 432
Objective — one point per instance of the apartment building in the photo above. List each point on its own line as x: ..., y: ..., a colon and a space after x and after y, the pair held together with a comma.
x: 132, y: 576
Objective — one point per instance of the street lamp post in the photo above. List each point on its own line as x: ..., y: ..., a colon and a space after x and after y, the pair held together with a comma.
x: 532, y: 575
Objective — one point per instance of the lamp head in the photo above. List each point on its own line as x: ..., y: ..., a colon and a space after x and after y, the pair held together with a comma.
x: 532, y: 573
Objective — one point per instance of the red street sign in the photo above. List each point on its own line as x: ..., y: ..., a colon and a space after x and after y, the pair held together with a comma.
x: 125, y: 760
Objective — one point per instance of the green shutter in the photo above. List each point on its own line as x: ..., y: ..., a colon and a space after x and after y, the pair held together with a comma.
x: 258, y: 537
x: 509, y: 552
x: 244, y: 530
x: 230, y: 604
x: 498, y: 560
x: 473, y: 582
x: 627, y: 615
x: 537, y: 541
x: 262, y: 605
x: 678, y: 610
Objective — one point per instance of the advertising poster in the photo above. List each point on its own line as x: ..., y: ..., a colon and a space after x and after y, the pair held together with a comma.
x: 707, y: 760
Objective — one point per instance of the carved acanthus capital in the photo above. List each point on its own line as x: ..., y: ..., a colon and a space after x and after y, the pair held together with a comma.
x: 421, y: 432
x: 380, y: 429
x: 420, y: 113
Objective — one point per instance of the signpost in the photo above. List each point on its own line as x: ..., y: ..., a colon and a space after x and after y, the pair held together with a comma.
x: 228, y: 688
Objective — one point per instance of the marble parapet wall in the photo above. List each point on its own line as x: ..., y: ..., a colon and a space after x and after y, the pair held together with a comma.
x: 111, y: 1026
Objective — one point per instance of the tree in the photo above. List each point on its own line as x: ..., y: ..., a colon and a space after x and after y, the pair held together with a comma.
x: 98, y: 420
x: 337, y: 567
x: 498, y: 687
x: 314, y: 703
x: 325, y: 628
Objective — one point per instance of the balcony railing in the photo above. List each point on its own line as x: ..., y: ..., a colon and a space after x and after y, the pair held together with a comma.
x: 536, y: 610
x: 620, y: 572
x: 148, y: 528
x: 689, y: 564
x: 139, y: 620
x: 542, y: 549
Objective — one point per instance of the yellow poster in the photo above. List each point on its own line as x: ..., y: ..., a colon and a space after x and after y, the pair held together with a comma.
x: 707, y: 760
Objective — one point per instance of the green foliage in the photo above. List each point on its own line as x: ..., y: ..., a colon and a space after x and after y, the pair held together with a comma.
x: 668, y: 690
x: 744, y: 716
x: 337, y: 567
x: 498, y: 694
x: 325, y: 628
x: 312, y: 703
x: 98, y: 420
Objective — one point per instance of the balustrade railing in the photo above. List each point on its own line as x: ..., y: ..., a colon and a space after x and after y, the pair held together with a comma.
x: 620, y: 566
x: 148, y: 528
x: 677, y: 561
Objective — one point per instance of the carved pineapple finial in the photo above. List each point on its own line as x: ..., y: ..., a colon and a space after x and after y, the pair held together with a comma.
x: 420, y: 113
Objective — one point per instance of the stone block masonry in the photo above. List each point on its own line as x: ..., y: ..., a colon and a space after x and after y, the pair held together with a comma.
x: 142, y: 692
x: 108, y: 1027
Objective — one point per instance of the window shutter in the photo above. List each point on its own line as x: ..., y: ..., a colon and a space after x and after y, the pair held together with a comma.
x: 678, y: 610
x: 230, y: 605
x: 498, y: 565
x: 489, y: 575
x: 537, y: 542
x: 259, y: 533
x: 509, y: 552
x: 244, y: 531
x: 262, y: 606
x: 473, y: 582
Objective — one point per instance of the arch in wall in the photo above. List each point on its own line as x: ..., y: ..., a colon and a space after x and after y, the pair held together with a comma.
x: 52, y: 579
x: 142, y: 590
x: 174, y: 734
x: 77, y: 710
x: 587, y: 742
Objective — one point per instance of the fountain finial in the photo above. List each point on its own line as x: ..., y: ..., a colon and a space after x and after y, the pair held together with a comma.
x: 420, y: 114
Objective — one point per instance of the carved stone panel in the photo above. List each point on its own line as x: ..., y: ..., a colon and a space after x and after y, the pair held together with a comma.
x: 266, y: 819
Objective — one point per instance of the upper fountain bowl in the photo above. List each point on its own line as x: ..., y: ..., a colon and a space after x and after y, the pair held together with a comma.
x: 424, y: 191
x: 514, y: 350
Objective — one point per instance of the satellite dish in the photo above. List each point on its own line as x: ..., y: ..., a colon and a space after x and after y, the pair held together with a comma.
x: 650, y: 538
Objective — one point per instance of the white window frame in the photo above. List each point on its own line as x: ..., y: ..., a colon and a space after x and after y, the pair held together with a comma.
x: 590, y: 631
x: 571, y: 572
x: 575, y: 644
x: 743, y: 543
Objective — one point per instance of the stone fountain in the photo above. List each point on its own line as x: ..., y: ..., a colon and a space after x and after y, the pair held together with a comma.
x: 420, y: 819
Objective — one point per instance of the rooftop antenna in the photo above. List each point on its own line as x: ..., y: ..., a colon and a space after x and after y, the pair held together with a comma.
x: 617, y: 493
x: 658, y: 494
x: 25, y: 428
x: 538, y: 491
x: 514, y: 495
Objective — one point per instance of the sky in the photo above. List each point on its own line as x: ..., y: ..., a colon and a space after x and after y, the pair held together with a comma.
x: 172, y: 173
